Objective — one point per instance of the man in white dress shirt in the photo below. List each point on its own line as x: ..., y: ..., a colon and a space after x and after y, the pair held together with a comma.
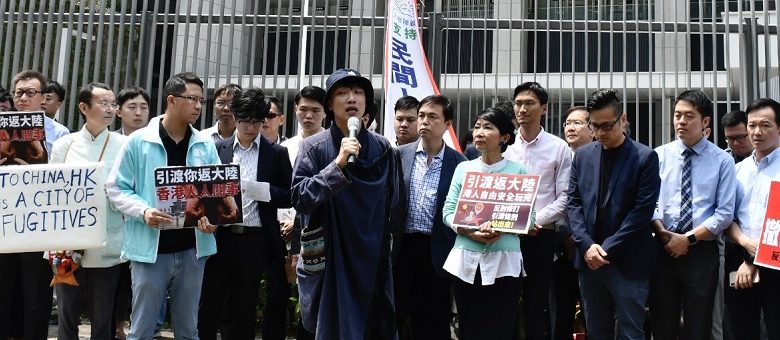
x: 546, y: 155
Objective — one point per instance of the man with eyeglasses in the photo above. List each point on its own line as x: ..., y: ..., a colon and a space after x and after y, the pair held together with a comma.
x: 30, y: 271
x: 547, y: 155
x: 100, y: 270
x: 225, y: 123
x: 612, y: 194
x: 273, y: 121
x: 735, y: 129
x: 695, y: 206
x: 164, y: 261
x: 28, y: 96
x: 566, y: 290
x: 232, y: 278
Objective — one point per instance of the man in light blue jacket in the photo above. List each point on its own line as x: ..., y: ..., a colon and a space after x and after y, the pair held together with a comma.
x: 164, y: 261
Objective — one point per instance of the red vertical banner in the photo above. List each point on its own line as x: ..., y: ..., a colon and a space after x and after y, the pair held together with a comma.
x: 768, y: 253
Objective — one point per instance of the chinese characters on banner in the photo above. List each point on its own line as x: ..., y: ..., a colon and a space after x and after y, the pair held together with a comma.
x: 191, y: 192
x: 504, y: 199
x: 768, y: 253
x: 406, y: 71
x: 22, y: 138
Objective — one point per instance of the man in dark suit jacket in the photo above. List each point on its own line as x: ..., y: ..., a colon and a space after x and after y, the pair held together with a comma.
x: 422, y: 287
x: 232, y: 276
x: 613, y: 190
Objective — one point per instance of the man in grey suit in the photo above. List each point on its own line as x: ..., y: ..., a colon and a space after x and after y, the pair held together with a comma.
x: 422, y: 287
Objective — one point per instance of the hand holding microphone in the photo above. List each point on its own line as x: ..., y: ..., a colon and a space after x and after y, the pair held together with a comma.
x: 350, y: 147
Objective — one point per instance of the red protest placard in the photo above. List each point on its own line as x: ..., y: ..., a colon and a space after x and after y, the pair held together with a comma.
x: 504, y: 199
x: 768, y: 253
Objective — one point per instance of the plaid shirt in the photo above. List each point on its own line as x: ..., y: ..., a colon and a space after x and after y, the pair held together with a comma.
x: 423, y: 190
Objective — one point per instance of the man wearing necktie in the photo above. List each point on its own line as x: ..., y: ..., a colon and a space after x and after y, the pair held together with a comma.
x: 695, y: 205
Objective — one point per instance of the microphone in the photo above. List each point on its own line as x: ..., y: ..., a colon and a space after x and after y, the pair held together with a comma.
x: 353, y: 124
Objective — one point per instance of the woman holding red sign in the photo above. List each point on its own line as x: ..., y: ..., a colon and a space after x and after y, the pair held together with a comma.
x: 487, y: 263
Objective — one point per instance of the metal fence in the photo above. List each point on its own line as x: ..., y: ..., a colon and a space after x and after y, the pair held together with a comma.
x: 479, y: 50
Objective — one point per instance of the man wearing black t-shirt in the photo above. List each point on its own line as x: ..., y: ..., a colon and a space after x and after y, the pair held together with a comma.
x: 164, y: 262
x: 612, y: 194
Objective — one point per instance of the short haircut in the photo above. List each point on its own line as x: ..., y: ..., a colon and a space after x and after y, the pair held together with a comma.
x: 407, y: 103
x: 250, y: 104
x: 507, y: 106
x: 85, y: 93
x: 5, y: 96
x: 502, y: 122
x: 30, y: 74
x: 576, y: 108
x: 130, y: 93
x: 275, y: 101
x: 56, y: 88
x: 733, y: 119
x: 229, y: 89
x: 442, y: 101
x: 605, y: 98
x: 534, y: 87
x: 177, y: 84
x: 762, y: 103
x: 315, y: 93
x: 699, y: 100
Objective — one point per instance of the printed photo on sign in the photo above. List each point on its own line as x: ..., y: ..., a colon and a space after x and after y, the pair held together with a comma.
x: 22, y: 138
x: 503, y: 199
x: 190, y: 193
x: 768, y: 252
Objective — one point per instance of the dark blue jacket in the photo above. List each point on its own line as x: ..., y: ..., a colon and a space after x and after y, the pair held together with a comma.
x: 631, y: 198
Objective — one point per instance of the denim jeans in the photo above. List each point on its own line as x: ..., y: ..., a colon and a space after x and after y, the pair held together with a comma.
x: 177, y: 275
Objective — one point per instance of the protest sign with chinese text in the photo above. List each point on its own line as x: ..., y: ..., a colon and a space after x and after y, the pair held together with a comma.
x: 22, y: 138
x: 190, y: 192
x: 768, y: 253
x: 407, y: 72
x: 504, y: 199
x: 48, y: 206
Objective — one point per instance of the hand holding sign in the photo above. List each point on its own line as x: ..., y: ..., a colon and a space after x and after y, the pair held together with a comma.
x: 153, y: 217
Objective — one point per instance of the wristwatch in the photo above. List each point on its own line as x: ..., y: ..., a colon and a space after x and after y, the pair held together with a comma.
x: 691, y: 237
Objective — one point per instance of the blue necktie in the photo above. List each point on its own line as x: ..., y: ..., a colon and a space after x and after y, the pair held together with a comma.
x: 686, y: 194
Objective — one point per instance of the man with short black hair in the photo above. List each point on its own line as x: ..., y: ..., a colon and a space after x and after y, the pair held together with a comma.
x: 735, y: 130
x: 695, y: 205
x: 422, y: 287
x: 232, y: 276
x: 347, y: 206
x: 164, y: 261
x: 53, y: 97
x: 612, y: 194
x: 224, y: 123
x: 746, y: 300
x: 28, y: 96
x: 405, y: 122
x: 133, y: 109
x: 546, y: 155
x: 273, y: 121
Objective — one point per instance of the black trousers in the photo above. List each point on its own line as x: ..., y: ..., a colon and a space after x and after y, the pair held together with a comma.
x: 487, y: 312
x: 745, y: 305
x: 567, y: 292
x: 538, y: 262
x: 275, y: 311
x: 231, y: 285
x: 34, y: 275
x: 422, y: 298
x: 685, y: 284
x: 95, y: 295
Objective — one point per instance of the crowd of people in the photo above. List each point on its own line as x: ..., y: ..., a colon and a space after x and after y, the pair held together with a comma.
x: 647, y: 242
